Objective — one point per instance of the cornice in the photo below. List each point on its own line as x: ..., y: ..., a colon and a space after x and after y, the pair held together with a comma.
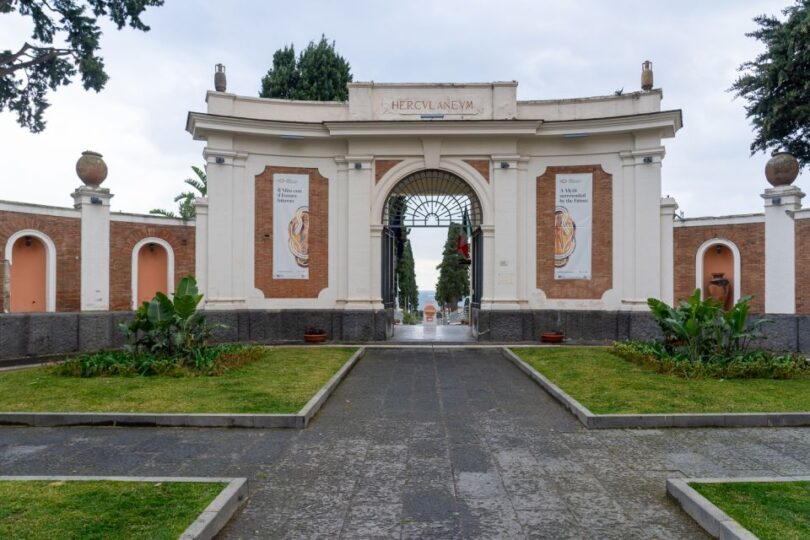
x: 667, y: 121
x: 199, y: 124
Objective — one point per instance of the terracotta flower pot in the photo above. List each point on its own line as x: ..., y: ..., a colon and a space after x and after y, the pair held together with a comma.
x: 782, y: 169
x: 314, y: 338
x: 552, y: 337
x: 91, y: 169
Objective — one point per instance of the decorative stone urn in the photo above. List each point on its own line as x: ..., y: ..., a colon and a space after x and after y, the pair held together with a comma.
x: 220, y: 82
x: 782, y: 169
x: 91, y: 169
x: 646, y: 76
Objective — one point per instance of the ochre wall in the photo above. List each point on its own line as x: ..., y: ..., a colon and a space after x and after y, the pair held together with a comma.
x: 749, y: 239
x: 602, y: 231
x: 66, y: 235
x: 803, y: 266
x: 124, y: 236
x: 318, y: 237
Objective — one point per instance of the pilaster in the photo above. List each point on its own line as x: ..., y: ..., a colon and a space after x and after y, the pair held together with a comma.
x: 506, y: 241
x: 359, y: 286
x: 780, y: 248
x: 94, y: 205
x: 201, y: 244
x: 667, y: 242
x: 640, y: 225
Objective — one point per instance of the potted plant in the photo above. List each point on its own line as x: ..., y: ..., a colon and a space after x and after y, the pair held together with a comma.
x: 552, y: 337
x: 314, y: 335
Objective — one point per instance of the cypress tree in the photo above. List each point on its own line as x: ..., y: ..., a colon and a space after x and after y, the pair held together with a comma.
x: 454, y: 275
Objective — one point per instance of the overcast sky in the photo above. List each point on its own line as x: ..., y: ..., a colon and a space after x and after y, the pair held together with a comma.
x: 553, y: 49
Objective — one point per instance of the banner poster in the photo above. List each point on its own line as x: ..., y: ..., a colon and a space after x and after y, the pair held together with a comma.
x: 573, y: 216
x: 290, y: 226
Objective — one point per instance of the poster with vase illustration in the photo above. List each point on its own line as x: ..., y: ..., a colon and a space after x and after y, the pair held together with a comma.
x: 573, y: 216
x: 290, y: 226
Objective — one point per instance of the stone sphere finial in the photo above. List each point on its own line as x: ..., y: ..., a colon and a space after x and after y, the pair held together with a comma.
x: 782, y: 169
x: 91, y: 169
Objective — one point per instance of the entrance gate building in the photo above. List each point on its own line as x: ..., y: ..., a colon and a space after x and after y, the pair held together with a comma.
x: 564, y: 197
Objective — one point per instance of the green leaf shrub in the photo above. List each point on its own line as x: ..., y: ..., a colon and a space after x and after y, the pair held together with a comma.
x: 166, y: 337
x: 701, y: 339
x: 210, y: 361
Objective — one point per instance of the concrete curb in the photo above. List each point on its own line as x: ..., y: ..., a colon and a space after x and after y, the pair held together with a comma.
x: 221, y: 420
x: 674, y: 420
x: 710, y: 517
x: 212, y: 519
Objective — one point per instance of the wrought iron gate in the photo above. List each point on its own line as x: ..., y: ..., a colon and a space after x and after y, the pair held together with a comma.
x: 477, y: 267
x: 389, y: 279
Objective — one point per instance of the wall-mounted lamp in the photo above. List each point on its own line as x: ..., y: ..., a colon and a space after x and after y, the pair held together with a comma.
x: 718, y: 249
x: 647, y: 159
x: 28, y: 241
x: 504, y: 164
x: 219, y: 160
x: 151, y: 246
x: 95, y: 200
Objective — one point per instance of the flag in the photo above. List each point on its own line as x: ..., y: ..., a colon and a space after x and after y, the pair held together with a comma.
x: 463, y: 243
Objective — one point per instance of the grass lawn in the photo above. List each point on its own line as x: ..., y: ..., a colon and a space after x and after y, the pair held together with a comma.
x: 101, y: 509
x: 281, y: 382
x: 606, y: 384
x: 770, y: 510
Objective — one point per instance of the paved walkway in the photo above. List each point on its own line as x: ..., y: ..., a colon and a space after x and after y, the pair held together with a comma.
x: 421, y: 443
x: 432, y: 333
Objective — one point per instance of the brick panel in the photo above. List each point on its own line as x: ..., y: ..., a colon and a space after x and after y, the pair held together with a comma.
x: 124, y: 236
x: 66, y: 235
x: 803, y: 266
x: 602, y: 231
x: 318, y: 237
x: 382, y: 166
x: 749, y: 239
x: 480, y: 165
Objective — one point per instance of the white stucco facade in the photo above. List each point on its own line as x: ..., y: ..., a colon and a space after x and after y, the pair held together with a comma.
x: 444, y: 127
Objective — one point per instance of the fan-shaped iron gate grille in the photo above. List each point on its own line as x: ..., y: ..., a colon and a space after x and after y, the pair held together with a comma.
x: 431, y: 198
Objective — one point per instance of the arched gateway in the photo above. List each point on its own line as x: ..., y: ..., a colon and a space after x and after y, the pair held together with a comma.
x: 304, y: 199
x: 430, y: 198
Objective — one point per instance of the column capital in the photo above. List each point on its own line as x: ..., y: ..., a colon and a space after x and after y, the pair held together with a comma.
x: 788, y: 197
x: 86, y: 195
x: 668, y: 206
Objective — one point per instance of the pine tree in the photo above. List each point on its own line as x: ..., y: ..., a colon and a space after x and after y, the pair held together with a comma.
x: 776, y: 85
x: 318, y: 74
x: 454, y: 275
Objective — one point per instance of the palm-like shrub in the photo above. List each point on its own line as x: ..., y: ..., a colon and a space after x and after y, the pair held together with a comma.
x: 170, y: 328
x: 703, y: 331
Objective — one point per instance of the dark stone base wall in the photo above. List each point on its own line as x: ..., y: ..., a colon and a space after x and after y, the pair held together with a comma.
x: 44, y: 335
x: 783, y: 333
x: 38, y: 336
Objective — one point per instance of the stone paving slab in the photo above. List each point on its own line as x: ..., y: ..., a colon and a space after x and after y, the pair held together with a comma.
x: 431, y: 443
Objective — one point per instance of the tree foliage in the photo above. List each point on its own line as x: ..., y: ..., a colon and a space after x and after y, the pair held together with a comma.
x: 406, y: 279
x: 29, y: 71
x: 454, y: 275
x: 185, y: 200
x: 776, y: 85
x: 318, y: 74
